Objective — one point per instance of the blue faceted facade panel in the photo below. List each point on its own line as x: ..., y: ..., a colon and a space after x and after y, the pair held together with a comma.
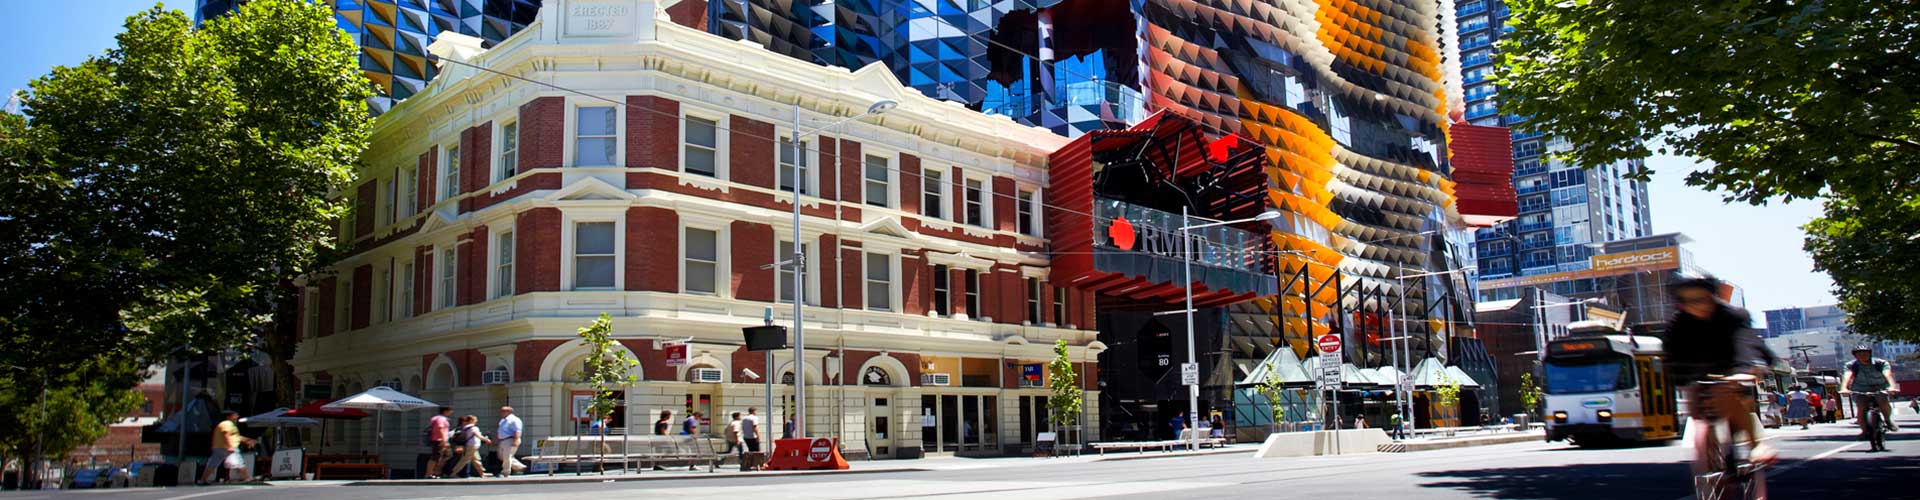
x: 394, y: 34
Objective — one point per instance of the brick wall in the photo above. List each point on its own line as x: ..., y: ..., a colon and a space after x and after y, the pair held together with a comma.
x: 852, y: 271
x: 829, y: 189
x: 529, y: 354
x: 750, y: 152
x: 363, y: 208
x: 653, y: 249
x: 957, y: 286
x: 689, y: 13
x: 653, y: 132
x: 543, y: 133
x: 1004, y: 214
x: 476, y: 152
x: 829, y: 247
x: 958, y: 200
x: 909, y: 185
x: 916, y: 285
x: 426, y: 175
x: 850, y: 176
x: 536, y: 250
x: 753, y: 249
x: 472, y: 278
x: 423, y: 279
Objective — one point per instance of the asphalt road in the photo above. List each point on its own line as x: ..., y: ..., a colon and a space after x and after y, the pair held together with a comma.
x: 1824, y: 462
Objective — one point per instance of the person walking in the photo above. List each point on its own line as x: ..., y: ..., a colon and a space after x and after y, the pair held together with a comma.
x: 660, y: 429
x: 1798, y: 408
x: 507, y: 442
x: 1399, y: 427
x: 1179, y: 425
x: 468, y: 441
x: 438, y: 450
x: 1219, y: 426
x: 226, y: 450
x: 691, y: 427
x: 734, y: 445
x: 750, y: 430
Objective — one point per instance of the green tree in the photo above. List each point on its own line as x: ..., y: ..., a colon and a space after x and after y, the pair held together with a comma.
x: 1449, y: 393
x: 605, y: 368
x: 1271, y: 387
x: 1530, y: 394
x: 79, y: 405
x: 1791, y: 100
x: 162, y: 195
x: 1063, y: 405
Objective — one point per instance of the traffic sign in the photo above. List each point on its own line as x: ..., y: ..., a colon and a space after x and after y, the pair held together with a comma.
x: 820, y: 450
x: 1189, y: 373
x: 1329, y: 343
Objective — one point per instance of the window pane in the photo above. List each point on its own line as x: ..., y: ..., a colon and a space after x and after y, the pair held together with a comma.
x: 593, y: 151
x: 930, y: 184
x: 700, y: 277
x: 702, y: 132
x: 878, y: 296
x: 595, y: 121
x: 700, y: 161
x: 593, y: 238
x: 877, y: 192
x: 878, y: 268
x: 593, y: 272
x: 702, y: 245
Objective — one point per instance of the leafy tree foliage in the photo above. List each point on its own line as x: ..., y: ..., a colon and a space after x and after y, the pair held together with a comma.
x: 79, y: 405
x: 605, y: 368
x: 1795, y: 99
x: 1064, y: 404
x: 161, y: 195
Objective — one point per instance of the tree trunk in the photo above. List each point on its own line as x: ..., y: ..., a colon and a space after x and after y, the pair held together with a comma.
x: 280, y: 340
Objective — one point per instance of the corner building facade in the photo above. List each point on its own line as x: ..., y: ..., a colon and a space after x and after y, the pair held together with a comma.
x: 496, y: 216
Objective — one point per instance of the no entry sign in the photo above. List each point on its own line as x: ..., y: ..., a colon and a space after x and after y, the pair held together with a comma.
x: 1329, y: 343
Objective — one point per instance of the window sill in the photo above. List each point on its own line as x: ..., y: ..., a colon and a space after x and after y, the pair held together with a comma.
x: 701, y: 181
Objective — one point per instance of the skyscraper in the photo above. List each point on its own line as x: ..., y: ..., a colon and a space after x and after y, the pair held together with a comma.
x: 1563, y: 210
x: 393, y: 34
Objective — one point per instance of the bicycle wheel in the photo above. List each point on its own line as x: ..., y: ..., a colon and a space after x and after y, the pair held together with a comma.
x: 1714, y: 479
x: 1876, y: 430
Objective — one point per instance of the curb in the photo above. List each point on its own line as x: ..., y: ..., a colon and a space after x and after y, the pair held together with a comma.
x: 1143, y: 456
x: 621, y: 477
x: 1460, y: 443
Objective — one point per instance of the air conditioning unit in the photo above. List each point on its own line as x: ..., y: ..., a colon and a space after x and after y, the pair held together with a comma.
x: 707, y: 375
x: 936, y: 379
x: 1032, y: 383
x: 495, y: 377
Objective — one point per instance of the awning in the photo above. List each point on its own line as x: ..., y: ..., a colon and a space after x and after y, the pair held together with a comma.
x: 318, y: 409
x: 1461, y: 376
x: 278, y: 418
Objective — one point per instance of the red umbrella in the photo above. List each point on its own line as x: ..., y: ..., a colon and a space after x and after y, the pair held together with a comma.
x: 317, y: 409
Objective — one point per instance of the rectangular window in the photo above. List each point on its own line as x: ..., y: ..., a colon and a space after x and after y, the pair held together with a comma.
x: 406, y: 291
x: 391, y: 199
x: 973, y: 294
x: 942, y: 295
x: 593, y: 259
x: 879, y: 282
x: 448, y: 262
x: 450, y: 174
x: 509, y: 151
x: 788, y: 157
x: 593, y: 136
x: 386, y: 290
x: 345, y: 321
x: 702, y: 261
x: 409, y: 183
x: 879, y: 189
x: 1025, y: 212
x: 503, y: 270
x: 784, y: 280
x: 1060, y: 306
x: 702, y: 147
x: 1033, y: 300
x: 976, y: 203
x: 932, y: 182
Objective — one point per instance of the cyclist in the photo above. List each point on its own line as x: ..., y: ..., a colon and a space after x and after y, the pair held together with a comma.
x: 1710, y: 339
x: 1868, y: 374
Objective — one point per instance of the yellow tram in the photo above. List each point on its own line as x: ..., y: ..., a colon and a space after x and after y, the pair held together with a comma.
x: 1604, y: 386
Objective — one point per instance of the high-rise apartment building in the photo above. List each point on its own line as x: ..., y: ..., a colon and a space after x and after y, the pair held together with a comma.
x: 393, y: 34
x: 1564, y: 210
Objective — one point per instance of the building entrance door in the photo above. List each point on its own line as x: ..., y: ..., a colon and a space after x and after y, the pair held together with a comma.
x: 698, y: 400
x: 880, y: 426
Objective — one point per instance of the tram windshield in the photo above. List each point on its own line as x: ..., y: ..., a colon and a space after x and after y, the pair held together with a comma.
x: 1588, y: 374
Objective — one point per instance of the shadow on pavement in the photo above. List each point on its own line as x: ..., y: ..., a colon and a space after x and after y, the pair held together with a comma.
x: 1566, y: 482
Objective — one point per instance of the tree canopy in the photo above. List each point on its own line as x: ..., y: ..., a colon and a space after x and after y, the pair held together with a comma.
x: 1790, y: 99
x: 160, y: 194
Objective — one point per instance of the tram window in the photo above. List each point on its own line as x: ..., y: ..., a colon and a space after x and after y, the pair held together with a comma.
x: 1589, y: 374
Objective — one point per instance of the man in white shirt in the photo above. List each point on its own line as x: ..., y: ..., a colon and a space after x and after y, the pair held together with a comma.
x: 750, y: 430
x: 507, y: 442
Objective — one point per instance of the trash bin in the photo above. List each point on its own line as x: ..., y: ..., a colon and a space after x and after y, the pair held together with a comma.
x: 1520, y: 420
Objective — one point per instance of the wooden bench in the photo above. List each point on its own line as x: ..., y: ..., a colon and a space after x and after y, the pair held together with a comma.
x: 644, y: 451
x: 350, y: 471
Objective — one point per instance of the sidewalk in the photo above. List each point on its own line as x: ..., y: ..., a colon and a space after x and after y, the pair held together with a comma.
x: 1432, y: 443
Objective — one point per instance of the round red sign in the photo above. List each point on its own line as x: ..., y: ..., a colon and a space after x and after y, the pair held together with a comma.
x: 820, y: 450
x: 1329, y: 343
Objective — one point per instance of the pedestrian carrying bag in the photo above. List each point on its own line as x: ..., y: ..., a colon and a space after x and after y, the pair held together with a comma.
x: 234, y: 461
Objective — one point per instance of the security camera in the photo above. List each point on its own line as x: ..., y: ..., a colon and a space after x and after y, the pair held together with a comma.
x: 749, y: 373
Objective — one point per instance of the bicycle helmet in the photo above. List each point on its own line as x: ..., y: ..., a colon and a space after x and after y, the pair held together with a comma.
x: 1863, y: 348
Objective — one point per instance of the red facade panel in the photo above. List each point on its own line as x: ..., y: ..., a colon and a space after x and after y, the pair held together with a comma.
x: 1482, y: 159
x: 362, y: 295
x: 752, y: 252
x: 543, y: 133
x: 750, y: 157
x: 653, y: 249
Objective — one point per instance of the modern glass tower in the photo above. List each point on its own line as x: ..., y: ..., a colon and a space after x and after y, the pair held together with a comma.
x: 1564, y: 211
x: 394, y: 34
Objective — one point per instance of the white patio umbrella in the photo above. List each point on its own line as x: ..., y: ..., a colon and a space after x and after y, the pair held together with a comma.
x: 380, y: 399
x: 278, y: 418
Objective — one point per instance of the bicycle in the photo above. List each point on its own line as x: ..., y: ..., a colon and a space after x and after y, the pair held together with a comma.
x: 1876, y: 421
x: 1721, y: 470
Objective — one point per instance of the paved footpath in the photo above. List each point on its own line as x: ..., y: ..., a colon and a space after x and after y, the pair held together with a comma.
x: 1824, y: 462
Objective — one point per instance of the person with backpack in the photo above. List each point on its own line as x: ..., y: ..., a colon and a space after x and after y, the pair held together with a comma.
x: 469, y: 441
x: 1869, y: 374
x: 435, y: 439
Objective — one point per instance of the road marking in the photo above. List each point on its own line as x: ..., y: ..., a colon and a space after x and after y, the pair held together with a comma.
x: 201, y: 494
x: 1775, y: 473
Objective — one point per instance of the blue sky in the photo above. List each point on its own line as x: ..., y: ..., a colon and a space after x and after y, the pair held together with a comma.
x: 1756, y: 247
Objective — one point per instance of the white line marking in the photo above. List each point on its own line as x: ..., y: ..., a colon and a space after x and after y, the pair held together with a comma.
x: 200, y: 494
x: 1775, y: 473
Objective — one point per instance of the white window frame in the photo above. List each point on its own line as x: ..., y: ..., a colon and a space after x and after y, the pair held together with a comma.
x: 406, y: 290
x: 571, y: 216
x: 572, y: 127
x: 986, y: 201
x: 389, y: 200
x: 780, y: 276
x: 508, y: 144
x: 448, y: 277
x: 721, y: 249
x: 449, y: 173
x: 944, y: 209
x: 503, y: 259
x: 942, y: 291
x: 1060, y: 309
x: 1035, y: 307
x: 867, y: 282
x: 974, y: 300
x: 1031, y: 207
x: 409, y: 192
x: 383, y: 295
x: 891, y: 194
x: 809, y: 157
x: 720, y: 140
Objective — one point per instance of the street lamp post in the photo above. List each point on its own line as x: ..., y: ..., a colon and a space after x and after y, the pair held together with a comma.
x: 799, y: 263
x: 1186, y: 253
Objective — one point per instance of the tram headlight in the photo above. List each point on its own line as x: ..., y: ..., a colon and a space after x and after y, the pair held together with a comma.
x: 1604, y: 415
x: 1560, y: 417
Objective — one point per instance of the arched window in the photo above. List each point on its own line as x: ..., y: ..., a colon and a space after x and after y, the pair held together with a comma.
x: 876, y: 376
x: 786, y: 378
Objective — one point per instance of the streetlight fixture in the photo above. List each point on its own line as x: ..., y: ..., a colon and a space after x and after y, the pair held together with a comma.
x: 799, y: 260
x: 1186, y: 261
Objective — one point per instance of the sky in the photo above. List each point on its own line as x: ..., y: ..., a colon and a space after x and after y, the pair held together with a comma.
x: 1757, y: 248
